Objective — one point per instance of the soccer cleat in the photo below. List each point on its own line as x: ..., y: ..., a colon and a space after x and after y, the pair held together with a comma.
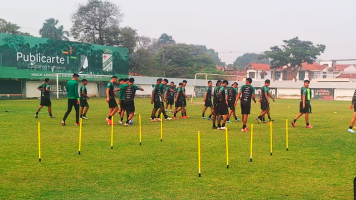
x: 84, y: 117
x: 126, y: 124
x: 184, y: 117
x: 78, y: 124
x: 63, y: 123
x: 209, y: 119
x: 265, y: 122
x: 219, y: 128
x: 309, y: 126
x: 131, y: 122
x: 157, y: 119
x: 230, y: 122
x: 293, y: 124
x: 214, y: 127
x: 222, y: 128
x: 168, y: 118
x: 153, y: 120
x: 52, y: 116
x: 120, y: 122
x: 237, y: 120
x: 351, y: 131
x: 36, y: 116
x: 111, y: 123
x: 244, y: 130
x: 203, y: 117
x: 175, y: 118
x: 258, y: 120
x: 271, y: 120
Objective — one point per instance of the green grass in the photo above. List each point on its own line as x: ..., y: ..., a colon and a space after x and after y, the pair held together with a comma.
x: 320, y: 163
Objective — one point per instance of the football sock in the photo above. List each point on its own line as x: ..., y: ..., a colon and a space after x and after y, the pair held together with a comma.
x: 294, y: 120
x: 36, y: 113
x: 109, y: 117
x: 219, y: 125
x: 228, y: 119
x: 350, y: 127
x: 223, y: 124
x: 81, y: 116
x: 260, y: 117
x: 243, y: 126
x: 269, y: 117
x: 50, y: 114
x: 210, y: 116
x: 85, y: 114
x: 122, y: 119
x: 203, y: 115
x: 235, y: 118
x: 264, y: 119
x: 307, y: 124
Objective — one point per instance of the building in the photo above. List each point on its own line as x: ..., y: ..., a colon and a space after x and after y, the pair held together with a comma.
x: 258, y: 71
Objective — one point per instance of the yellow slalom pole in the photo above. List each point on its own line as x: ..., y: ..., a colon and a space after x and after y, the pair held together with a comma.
x: 140, y: 127
x: 227, y: 149
x: 199, y: 165
x: 161, y: 127
x: 39, y: 141
x: 112, y: 132
x: 251, y: 145
x: 80, y: 134
x: 287, y: 145
x: 271, y: 135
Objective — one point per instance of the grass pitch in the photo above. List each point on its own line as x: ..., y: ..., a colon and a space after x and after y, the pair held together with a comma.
x: 320, y: 163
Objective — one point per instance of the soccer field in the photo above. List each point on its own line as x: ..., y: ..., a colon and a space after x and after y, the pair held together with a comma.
x: 320, y: 163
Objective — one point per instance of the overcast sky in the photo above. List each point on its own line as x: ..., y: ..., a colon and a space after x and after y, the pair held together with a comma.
x: 231, y: 27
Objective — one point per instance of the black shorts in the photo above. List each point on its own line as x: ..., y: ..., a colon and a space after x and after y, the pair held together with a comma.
x: 307, y: 108
x: 129, y: 106
x: 354, y: 107
x: 112, y: 103
x: 264, y: 105
x: 84, y: 102
x: 222, y: 108
x: 232, y: 106
x: 208, y: 103
x: 45, y: 101
x: 157, y: 104
x: 122, y: 105
x: 245, y: 108
x: 179, y: 103
x: 170, y: 102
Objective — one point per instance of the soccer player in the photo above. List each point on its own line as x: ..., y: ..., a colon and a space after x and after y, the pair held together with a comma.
x: 207, y: 100
x: 232, y: 101
x: 110, y: 98
x: 123, y: 83
x: 304, y: 106
x: 45, y: 98
x: 185, y: 99
x: 73, y: 99
x: 353, y: 106
x: 169, y: 96
x: 247, y: 92
x: 84, y: 105
x: 179, y: 102
x: 162, y: 89
x: 215, y: 102
x: 264, y: 100
x: 156, y: 99
x: 223, y: 111
x: 129, y: 93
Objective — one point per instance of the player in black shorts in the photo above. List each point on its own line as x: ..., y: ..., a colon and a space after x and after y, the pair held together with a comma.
x: 84, y: 105
x: 169, y: 96
x: 304, y: 105
x: 353, y: 107
x: 45, y: 98
x: 264, y: 100
x: 156, y: 100
x: 223, y: 111
x: 130, y: 93
x: 247, y: 92
x: 215, y: 102
x: 232, y: 101
x: 179, y: 102
x: 110, y: 98
x: 207, y: 100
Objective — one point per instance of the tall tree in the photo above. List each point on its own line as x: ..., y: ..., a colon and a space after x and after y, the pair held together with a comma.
x: 293, y: 53
x: 92, y: 19
x: 242, y: 61
x: 10, y: 28
x: 165, y: 39
x: 50, y: 30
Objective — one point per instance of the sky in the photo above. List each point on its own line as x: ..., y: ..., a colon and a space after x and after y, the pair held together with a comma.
x: 230, y: 27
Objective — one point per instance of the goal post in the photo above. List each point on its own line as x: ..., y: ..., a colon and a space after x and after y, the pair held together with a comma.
x: 206, y: 75
x: 91, y: 77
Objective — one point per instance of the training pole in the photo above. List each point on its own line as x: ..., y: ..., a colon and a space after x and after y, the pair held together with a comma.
x: 39, y: 141
x: 227, y: 149
x: 199, y: 165
x: 161, y: 127
x: 80, y: 135
x: 251, y: 144
x: 271, y: 135
x: 140, y: 127
x: 112, y: 132
x: 287, y: 145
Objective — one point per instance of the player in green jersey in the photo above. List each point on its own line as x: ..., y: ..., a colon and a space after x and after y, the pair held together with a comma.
x: 246, y: 93
x: 84, y: 105
x: 45, y: 98
x: 264, y: 100
x: 304, y: 105
x: 129, y: 96
x: 162, y: 89
x: 156, y: 99
x: 110, y: 98
x: 169, y: 96
x: 231, y: 100
x: 123, y: 83
x: 353, y: 107
x: 179, y: 102
x: 207, y: 100
x: 73, y: 99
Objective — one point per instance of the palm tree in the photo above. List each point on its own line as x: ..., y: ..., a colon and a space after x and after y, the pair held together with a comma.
x: 49, y: 30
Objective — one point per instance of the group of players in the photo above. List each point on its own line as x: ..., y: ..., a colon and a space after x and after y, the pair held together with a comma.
x: 217, y: 99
